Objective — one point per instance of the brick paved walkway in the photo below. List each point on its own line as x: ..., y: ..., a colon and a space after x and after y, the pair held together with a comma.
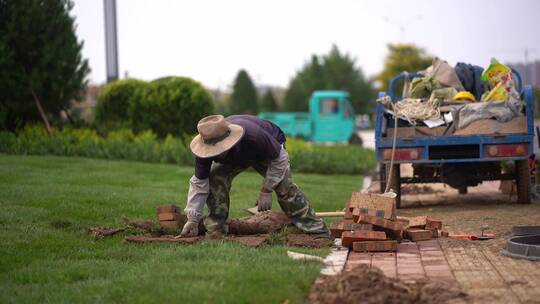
x: 478, y: 267
x: 490, y: 277
x: 411, y: 262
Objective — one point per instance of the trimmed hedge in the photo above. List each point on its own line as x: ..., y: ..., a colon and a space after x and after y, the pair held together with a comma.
x: 119, y: 144
x: 170, y: 105
x: 147, y: 147
x: 113, y: 103
x: 338, y: 159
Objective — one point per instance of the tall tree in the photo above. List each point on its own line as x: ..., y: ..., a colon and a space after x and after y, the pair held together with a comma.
x: 310, y: 78
x: 341, y: 73
x: 268, y: 102
x: 41, y: 67
x: 244, y: 96
x: 402, y: 58
x: 333, y: 71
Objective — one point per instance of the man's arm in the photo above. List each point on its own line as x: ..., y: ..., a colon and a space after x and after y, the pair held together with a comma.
x: 277, y: 169
x: 199, y: 189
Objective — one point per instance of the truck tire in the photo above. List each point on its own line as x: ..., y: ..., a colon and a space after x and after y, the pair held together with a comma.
x: 523, y: 181
x: 395, y: 183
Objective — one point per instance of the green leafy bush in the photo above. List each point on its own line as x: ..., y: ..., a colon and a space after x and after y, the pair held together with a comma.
x: 170, y: 105
x: 148, y: 147
x: 339, y: 159
x: 113, y: 104
x: 118, y: 144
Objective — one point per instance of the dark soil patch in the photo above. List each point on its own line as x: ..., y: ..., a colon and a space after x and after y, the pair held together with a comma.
x: 307, y: 240
x: 252, y: 231
x: 249, y: 240
x: 147, y: 226
x: 100, y: 231
x: 369, y: 285
x: 260, y: 223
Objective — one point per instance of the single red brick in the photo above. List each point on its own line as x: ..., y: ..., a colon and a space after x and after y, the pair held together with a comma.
x: 403, y: 221
x: 418, y: 222
x: 418, y: 234
x: 167, y: 209
x: 374, y: 212
x: 433, y: 224
x: 337, y: 228
x: 168, y: 216
x: 374, y: 204
x: 390, y: 245
x: 376, y: 221
x: 348, y: 237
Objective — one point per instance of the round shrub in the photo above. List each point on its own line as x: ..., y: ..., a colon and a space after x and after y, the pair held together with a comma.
x: 170, y: 105
x: 113, y: 103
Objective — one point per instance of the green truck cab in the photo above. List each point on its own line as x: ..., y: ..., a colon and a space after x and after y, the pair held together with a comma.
x: 330, y: 119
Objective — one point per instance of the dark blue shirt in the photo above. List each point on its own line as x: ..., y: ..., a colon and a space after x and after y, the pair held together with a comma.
x: 262, y: 141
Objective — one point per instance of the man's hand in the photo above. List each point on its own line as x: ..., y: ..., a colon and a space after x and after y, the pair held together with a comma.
x: 264, y: 202
x: 191, y: 228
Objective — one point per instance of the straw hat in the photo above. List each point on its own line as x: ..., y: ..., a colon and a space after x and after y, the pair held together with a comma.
x: 216, y: 136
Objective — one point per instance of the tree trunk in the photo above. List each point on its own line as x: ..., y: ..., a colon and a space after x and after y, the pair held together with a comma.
x: 71, y: 121
x: 41, y: 112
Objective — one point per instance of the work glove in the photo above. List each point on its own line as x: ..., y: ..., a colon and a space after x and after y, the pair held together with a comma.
x: 191, y: 228
x: 264, y: 202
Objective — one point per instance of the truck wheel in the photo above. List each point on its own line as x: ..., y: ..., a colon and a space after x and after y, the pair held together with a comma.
x: 523, y: 181
x: 462, y: 190
x: 395, y: 182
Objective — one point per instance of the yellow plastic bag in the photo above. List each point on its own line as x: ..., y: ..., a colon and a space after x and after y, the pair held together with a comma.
x: 498, y: 93
x: 499, y: 78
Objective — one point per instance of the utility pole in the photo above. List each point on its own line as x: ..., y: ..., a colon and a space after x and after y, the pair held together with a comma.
x: 111, y: 41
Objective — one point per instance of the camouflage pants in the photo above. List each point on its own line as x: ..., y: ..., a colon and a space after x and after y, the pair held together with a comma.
x: 291, y: 200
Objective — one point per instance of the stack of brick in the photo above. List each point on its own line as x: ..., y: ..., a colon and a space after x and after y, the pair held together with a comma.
x: 421, y: 228
x: 170, y: 217
x: 370, y: 224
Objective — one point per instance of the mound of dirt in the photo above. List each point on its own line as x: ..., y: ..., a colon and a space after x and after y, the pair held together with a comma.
x: 260, y: 223
x: 369, y: 285
x: 307, y: 240
x: 249, y: 240
x: 145, y: 225
x: 102, y: 231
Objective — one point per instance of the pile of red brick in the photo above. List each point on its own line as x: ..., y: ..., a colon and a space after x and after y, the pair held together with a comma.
x: 370, y: 224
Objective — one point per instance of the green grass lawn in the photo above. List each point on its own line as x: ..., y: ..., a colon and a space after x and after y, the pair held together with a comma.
x: 46, y: 256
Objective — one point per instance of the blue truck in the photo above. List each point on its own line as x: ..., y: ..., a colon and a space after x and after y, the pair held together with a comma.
x: 460, y: 161
x: 330, y: 119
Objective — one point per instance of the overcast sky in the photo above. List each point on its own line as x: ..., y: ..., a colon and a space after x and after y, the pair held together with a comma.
x: 211, y: 40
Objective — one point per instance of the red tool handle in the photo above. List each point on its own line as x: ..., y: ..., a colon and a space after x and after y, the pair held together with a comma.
x: 463, y: 236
